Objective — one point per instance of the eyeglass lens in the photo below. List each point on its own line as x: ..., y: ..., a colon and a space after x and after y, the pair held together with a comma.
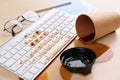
x: 31, y: 16
x: 14, y: 25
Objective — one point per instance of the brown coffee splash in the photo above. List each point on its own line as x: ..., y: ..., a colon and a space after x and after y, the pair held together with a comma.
x: 98, y: 48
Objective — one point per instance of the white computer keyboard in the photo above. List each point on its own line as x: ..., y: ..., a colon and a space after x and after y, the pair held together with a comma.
x: 30, y: 52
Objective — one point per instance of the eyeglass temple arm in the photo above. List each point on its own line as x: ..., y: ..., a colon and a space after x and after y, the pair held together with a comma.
x: 13, y: 33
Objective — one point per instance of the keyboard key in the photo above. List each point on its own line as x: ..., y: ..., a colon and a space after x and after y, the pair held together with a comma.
x: 19, y: 63
x: 30, y: 54
x: 55, y: 39
x: 2, y: 60
x: 59, y: 36
x: 62, y: 18
x: 62, y: 25
x: 33, y: 70
x: 43, y: 51
x: 62, y: 33
x: 8, y: 47
x: 60, y: 14
x: 3, y: 52
x: 27, y: 47
x: 39, y: 65
x: 24, y: 68
x: 14, y: 44
x: 70, y: 26
x: 13, y: 51
x: 71, y: 18
x: 69, y: 35
x: 28, y: 75
x: 9, y: 62
x: 17, y: 56
x: 37, y: 32
x: 21, y: 52
x: 48, y: 38
x: 44, y: 60
x: 43, y: 42
x: 51, y: 43
x: 51, y: 35
x: 41, y: 29
x: 38, y: 55
x: 8, y: 55
x: 24, y: 42
x: 66, y: 22
x: 47, y: 47
x: 18, y: 47
x: 39, y: 46
x: 19, y: 40
x: 66, y: 29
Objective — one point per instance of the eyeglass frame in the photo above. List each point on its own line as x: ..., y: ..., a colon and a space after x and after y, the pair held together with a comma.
x: 12, y: 28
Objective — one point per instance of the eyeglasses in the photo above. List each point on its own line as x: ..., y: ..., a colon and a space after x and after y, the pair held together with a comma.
x: 15, y: 26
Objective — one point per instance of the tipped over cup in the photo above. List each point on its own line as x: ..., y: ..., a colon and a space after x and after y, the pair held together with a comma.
x: 91, y: 27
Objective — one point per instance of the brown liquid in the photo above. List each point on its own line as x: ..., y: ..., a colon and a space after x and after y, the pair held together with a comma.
x: 98, y: 48
x: 42, y: 77
x: 88, y: 37
x: 55, y: 71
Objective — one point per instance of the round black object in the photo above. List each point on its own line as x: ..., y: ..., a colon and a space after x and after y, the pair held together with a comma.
x: 78, y: 59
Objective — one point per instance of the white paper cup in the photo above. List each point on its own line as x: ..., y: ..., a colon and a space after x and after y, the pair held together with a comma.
x: 91, y: 27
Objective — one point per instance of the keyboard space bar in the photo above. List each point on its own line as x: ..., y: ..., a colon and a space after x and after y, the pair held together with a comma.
x: 57, y: 47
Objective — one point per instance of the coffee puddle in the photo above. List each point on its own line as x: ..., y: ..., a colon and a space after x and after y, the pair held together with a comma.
x: 98, y: 48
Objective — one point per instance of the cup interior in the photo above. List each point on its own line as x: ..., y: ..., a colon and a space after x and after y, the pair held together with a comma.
x: 85, y: 28
x: 78, y: 59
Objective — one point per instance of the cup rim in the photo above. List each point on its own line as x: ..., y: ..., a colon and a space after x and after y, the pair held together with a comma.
x: 77, y: 69
x: 83, y: 18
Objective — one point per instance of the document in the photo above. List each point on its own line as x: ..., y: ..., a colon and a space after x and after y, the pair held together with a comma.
x: 76, y: 7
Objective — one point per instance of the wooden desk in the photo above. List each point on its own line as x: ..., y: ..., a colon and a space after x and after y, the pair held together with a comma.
x: 101, y: 71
